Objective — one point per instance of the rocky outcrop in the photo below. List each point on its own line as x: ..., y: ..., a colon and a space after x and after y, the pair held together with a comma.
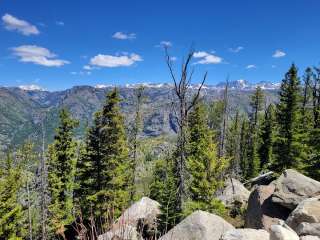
x: 199, y: 225
x: 281, y: 231
x: 245, y: 234
x: 308, y: 229
x: 307, y: 211
x: 124, y: 232
x: 293, y: 187
x: 234, y: 192
x: 261, y: 211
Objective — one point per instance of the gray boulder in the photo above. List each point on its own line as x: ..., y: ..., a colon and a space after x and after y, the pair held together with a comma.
x: 245, y: 234
x: 199, y: 225
x: 307, y: 211
x: 261, y: 211
x: 124, y: 232
x: 281, y: 231
x: 292, y: 187
x: 234, y: 191
x: 308, y: 229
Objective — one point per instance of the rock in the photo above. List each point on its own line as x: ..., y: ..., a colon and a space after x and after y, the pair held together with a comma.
x: 245, y: 234
x: 282, y: 232
x: 308, y: 229
x: 293, y: 187
x: 263, y: 179
x: 199, y: 225
x: 307, y: 211
x: 233, y: 192
x: 261, y: 211
x: 309, y: 238
x: 125, y: 232
x: 139, y: 218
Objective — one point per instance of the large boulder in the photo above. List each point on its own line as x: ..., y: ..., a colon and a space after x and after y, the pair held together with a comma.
x: 293, y: 187
x: 261, y: 211
x: 234, y: 192
x: 138, y: 220
x: 308, y: 229
x: 199, y: 225
x: 245, y: 234
x: 307, y: 211
x: 281, y: 231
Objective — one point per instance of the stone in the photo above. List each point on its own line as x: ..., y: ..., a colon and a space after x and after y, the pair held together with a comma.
x: 308, y: 237
x: 245, y: 234
x: 261, y: 211
x: 292, y: 187
x: 199, y: 225
x: 281, y: 231
x: 233, y: 192
x: 125, y: 232
x: 308, y: 229
x: 307, y: 211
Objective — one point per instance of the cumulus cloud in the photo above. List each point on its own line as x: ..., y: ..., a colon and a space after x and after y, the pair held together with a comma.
x: 278, y: 54
x: 112, y: 61
x: 12, y: 23
x: 207, y: 58
x: 236, y: 50
x: 124, y: 36
x: 38, y: 55
x: 250, y: 66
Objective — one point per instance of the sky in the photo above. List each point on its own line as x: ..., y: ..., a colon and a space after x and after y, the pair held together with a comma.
x: 59, y: 44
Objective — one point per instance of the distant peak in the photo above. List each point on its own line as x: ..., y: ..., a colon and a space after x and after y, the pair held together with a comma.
x: 31, y: 87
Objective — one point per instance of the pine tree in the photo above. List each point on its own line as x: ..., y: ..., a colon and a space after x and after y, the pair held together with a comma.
x: 203, y: 164
x: 289, y: 148
x: 267, y: 137
x: 61, y: 172
x: 257, y: 100
x: 111, y: 161
x: 11, y: 210
x: 244, y: 147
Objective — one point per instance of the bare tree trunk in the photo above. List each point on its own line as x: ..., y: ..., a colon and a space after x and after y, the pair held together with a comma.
x: 29, y: 211
x: 222, y: 144
x: 43, y: 185
x: 181, y: 87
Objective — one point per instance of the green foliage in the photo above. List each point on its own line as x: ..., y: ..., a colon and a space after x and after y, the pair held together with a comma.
x: 290, y: 148
x: 61, y: 172
x: 11, y: 210
x: 163, y: 189
x: 215, y: 117
x: 203, y: 165
x: 244, y: 147
x: 267, y: 136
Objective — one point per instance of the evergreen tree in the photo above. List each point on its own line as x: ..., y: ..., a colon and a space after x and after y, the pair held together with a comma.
x: 11, y: 210
x: 244, y: 147
x: 111, y: 161
x: 290, y: 146
x: 203, y: 164
x: 61, y: 172
x: 267, y: 137
x: 257, y: 101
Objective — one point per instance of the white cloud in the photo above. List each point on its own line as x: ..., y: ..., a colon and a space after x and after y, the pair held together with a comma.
x: 59, y: 23
x: 88, y: 67
x: 236, y: 50
x: 111, y: 61
x: 164, y: 44
x: 32, y: 87
x: 278, y: 54
x: 207, y: 58
x: 173, y: 58
x: 124, y: 36
x: 38, y: 55
x: 12, y: 23
x: 251, y: 66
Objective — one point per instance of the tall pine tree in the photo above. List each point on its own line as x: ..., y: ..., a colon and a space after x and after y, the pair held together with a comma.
x: 61, y: 172
x: 289, y: 148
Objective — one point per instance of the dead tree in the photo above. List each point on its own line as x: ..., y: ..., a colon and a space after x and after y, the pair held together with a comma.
x: 182, y: 86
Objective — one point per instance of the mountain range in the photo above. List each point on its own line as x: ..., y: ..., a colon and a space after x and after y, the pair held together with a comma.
x: 26, y: 112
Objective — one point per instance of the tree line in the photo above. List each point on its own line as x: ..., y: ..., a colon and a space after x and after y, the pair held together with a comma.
x: 84, y: 185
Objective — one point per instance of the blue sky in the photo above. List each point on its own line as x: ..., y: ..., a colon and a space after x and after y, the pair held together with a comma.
x: 59, y: 44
